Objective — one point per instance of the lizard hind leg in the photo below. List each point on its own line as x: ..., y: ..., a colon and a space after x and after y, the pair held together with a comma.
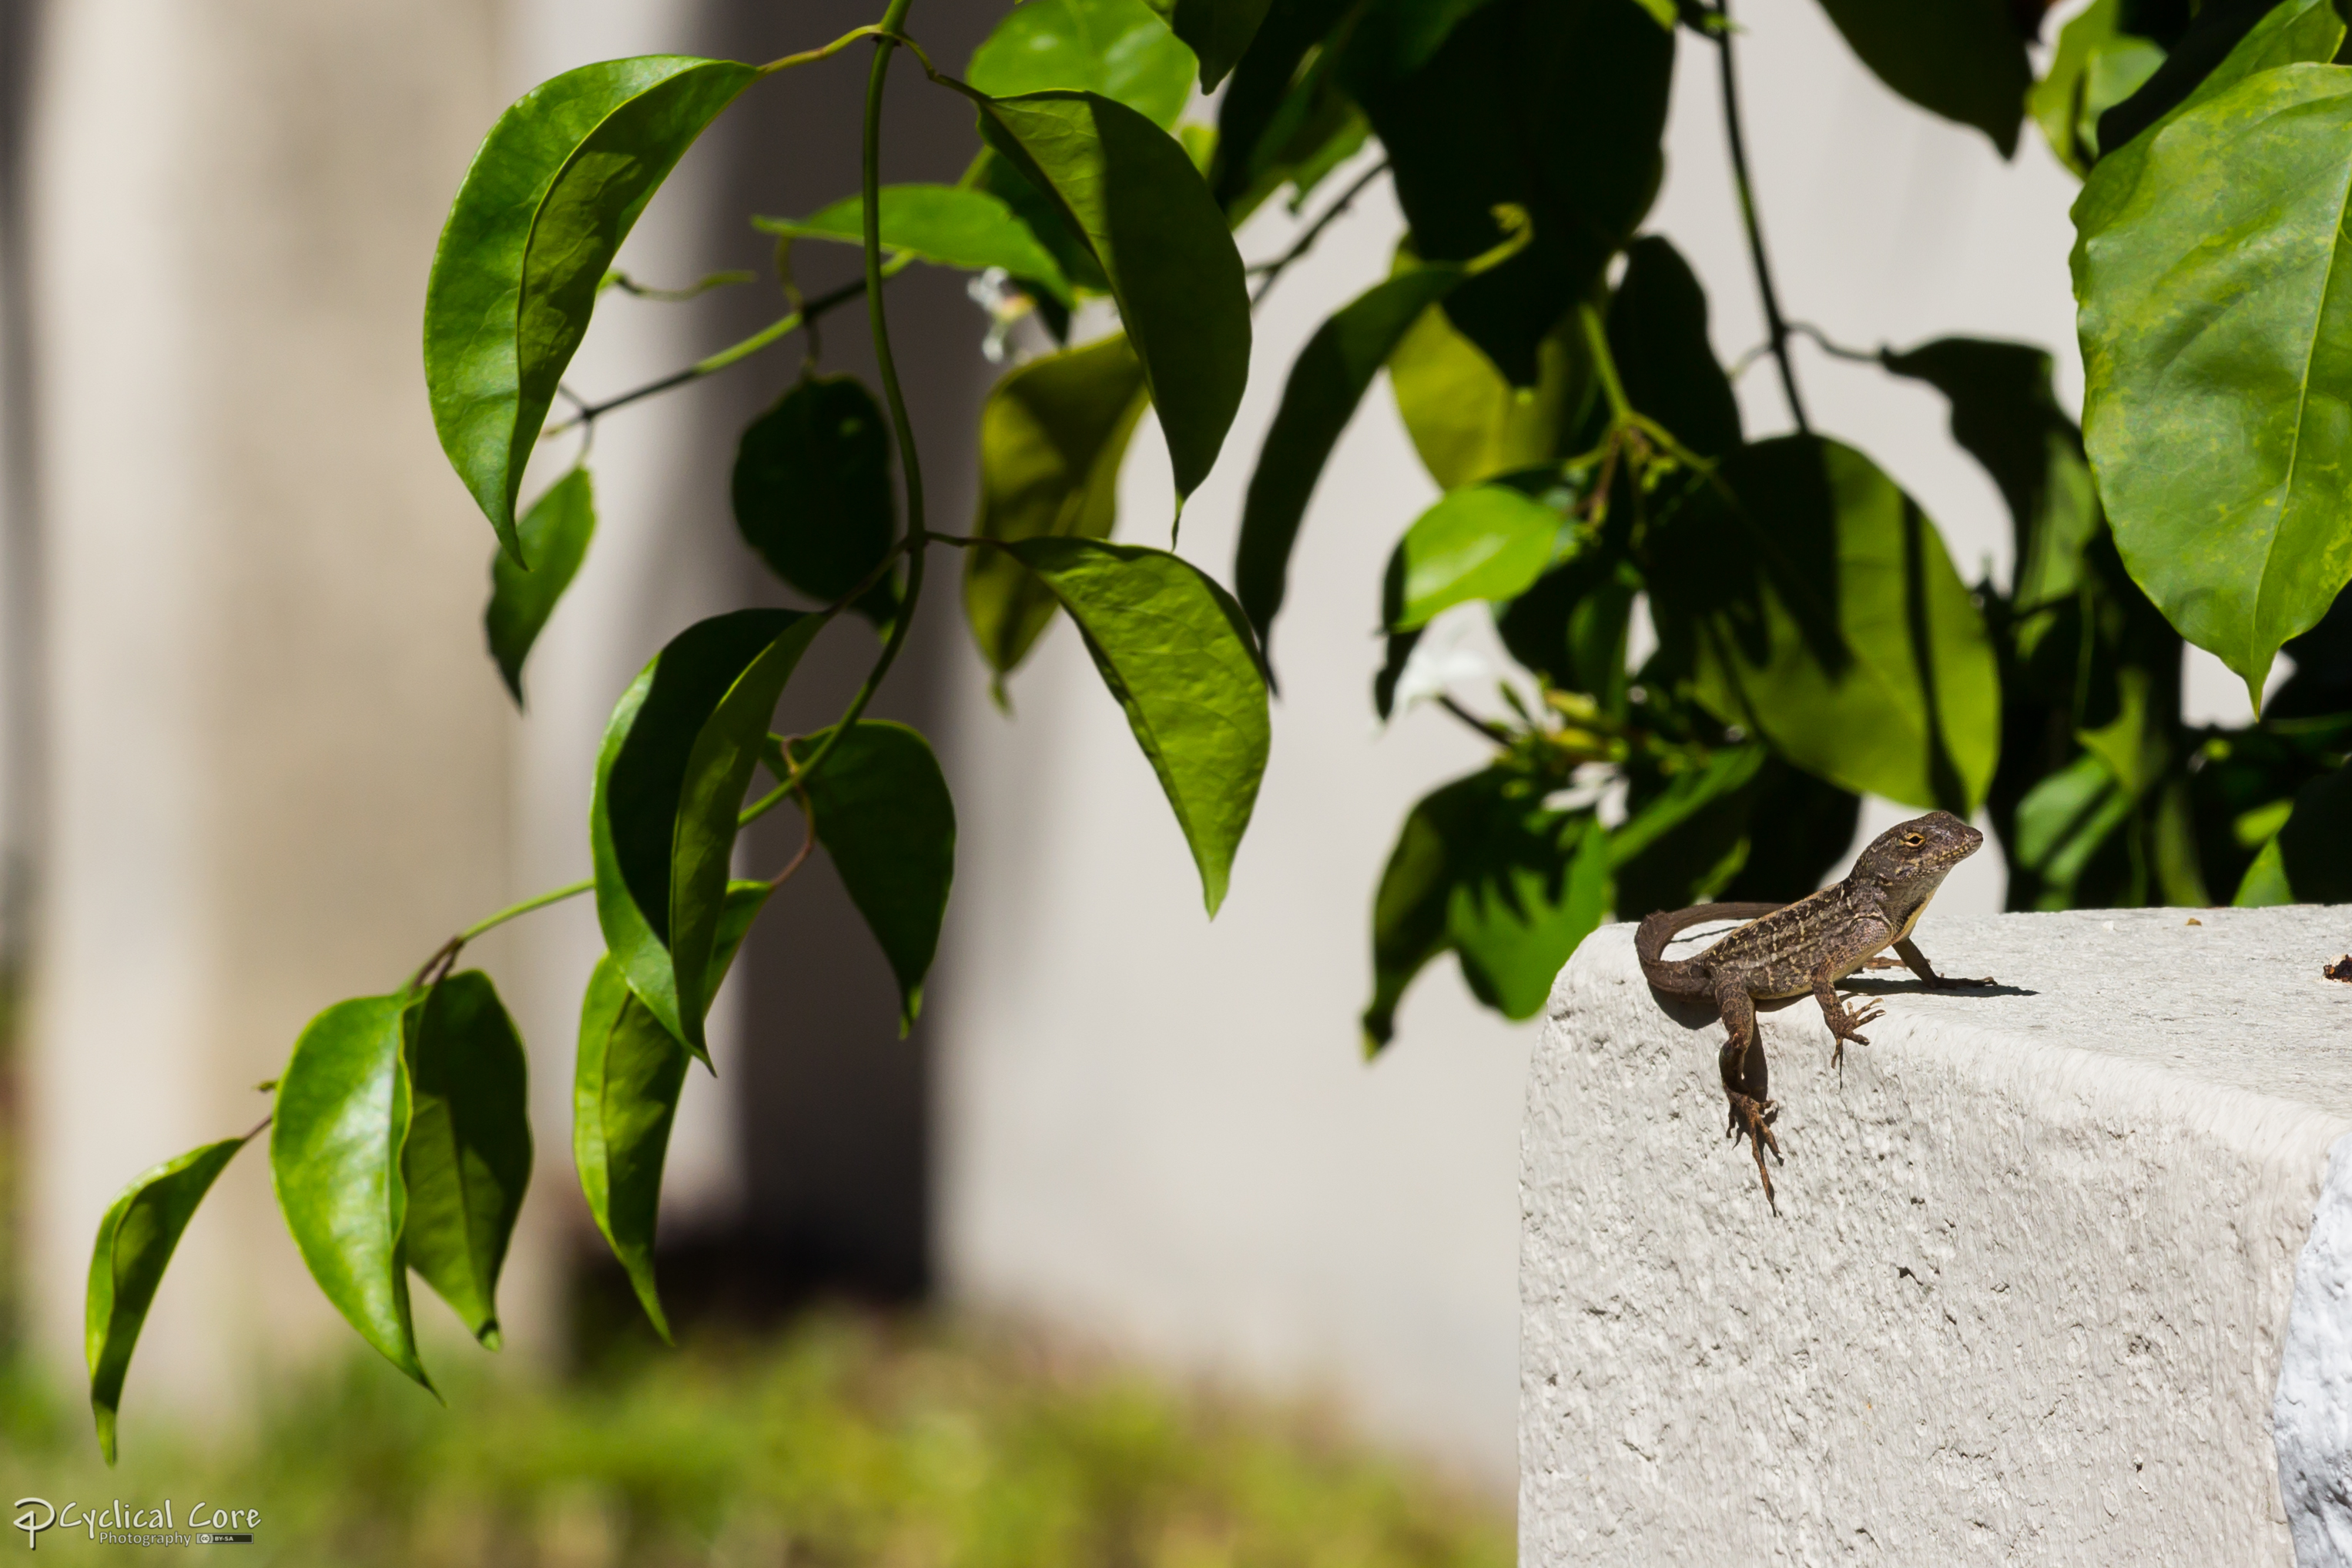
x: 1746, y: 1083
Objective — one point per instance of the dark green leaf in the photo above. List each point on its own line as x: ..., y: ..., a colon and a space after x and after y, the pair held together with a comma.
x: 2215, y: 324
x: 1327, y: 381
x: 953, y: 226
x: 1277, y: 88
x: 1488, y: 541
x: 2310, y: 861
x: 1176, y: 652
x: 1131, y: 191
x: 1219, y: 32
x: 556, y: 186
x: 1484, y: 869
x: 1552, y: 106
x: 1467, y: 422
x: 1686, y: 837
x: 1396, y: 654
x: 554, y: 536
x: 2213, y: 46
x: 662, y: 826
x: 1048, y: 222
x: 2006, y: 417
x: 135, y: 1241
x: 1829, y: 619
x: 1963, y: 59
x: 468, y: 1157
x: 1120, y: 49
x: 625, y: 1090
x: 883, y: 813
x: 1658, y: 335
x: 812, y: 490
x: 1799, y: 828
x: 2098, y: 64
x: 334, y: 1157
x: 1052, y: 435
x: 2063, y: 821
x: 1571, y: 625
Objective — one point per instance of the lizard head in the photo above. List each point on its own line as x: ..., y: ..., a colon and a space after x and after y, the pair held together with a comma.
x: 1910, y: 859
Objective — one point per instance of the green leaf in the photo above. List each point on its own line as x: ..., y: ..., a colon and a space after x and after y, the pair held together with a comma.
x: 624, y: 1088
x: 1571, y: 625
x: 1176, y: 653
x: 1829, y: 620
x: 1118, y: 48
x: 812, y: 492
x: 1219, y: 32
x: 1283, y: 115
x: 467, y: 1161
x: 951, y: 226
x: 335, y: 1158
x: 662, y: 824
x: 1963, y: 59
x: 1665, y: 362
x: 1467, y: 420
x: 2220, y: 46
x: 2310, y: 861
x: 2096, y: 66
x: 135, y: 1241
x: 556, y: 186
x: 1327, y: 381
x: 2210, y: 271
x: 1686, y: 835
x: 1488, y: 541
x: 554, y: 535
x: 1484, y: 869
x: 883, y: 812
x: 1555, y: 107
x: 2006, y: 417
x: 1131, y: 191
x: 2063, y: 821
x: 1052, y: 435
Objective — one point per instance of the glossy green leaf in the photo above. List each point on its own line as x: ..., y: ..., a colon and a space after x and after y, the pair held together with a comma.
x: 1484, y: 869
x: 554, y: 189
x: 1219, y: 32
x: 1829, y: 619
x: 1327, y: 381
x: 951, y: 226
x: 883, y: 813
x: 625, y: 1082
x: 1466, y: 421
x: 1963, y: 59
x: 812, y: 492
x: 135, y: 1242
x: 2217, y: 342
x: 1052, y: 435
x: 1177, y: 654
x: 1555, y: 107
x: 1665, y: 362
x: 342, y: 1115
x: 2310, y: 861
x: 1573, y: 624
x: 467, y: 1161
x: 1048, y: 222
x: 2005, y: 415
x: 553, y: 537
x: 2222, y: 44
x: 1120, y: 49
x: 662, y: 824
x: 2063, y: 821
x: 1130, y: 188
x: 1488, y: 541
x: 1686, y: 835
x: 1283, y: 108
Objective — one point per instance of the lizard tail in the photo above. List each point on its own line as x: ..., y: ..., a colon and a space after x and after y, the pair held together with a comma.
x: 1655, y: 931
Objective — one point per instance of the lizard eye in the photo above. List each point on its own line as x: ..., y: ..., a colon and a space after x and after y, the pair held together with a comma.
x: 1913, y: 839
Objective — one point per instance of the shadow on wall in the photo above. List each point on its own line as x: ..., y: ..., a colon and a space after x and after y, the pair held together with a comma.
x: 831, y: 1108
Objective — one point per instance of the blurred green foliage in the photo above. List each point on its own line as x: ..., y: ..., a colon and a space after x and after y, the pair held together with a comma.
x: 845, y: 1441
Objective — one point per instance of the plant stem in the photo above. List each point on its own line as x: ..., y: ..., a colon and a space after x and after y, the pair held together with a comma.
x: 1604, y: 365
x: 1269, y: 271
x: 878, y: 318
x: 1776, y: 329
x: 515, y: 912
x: 767, y: 336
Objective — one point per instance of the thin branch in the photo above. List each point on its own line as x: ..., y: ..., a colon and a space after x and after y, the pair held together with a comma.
x: 1267, y: 271
x: 808, y: 843
x: 1835, y: 350
x: 1485, y: 727
x: 1775, y: 328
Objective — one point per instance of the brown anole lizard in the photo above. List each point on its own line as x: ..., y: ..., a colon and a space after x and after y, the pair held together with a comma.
x: 1806, y: 947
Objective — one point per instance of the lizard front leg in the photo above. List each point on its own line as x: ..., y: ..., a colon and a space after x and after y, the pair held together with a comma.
x: 1843, y: 1024
x: 1917, y: 963
x: 1749, y: 1114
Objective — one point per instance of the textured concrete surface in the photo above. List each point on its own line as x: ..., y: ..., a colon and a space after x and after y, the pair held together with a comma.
x: 2028, y: 1294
